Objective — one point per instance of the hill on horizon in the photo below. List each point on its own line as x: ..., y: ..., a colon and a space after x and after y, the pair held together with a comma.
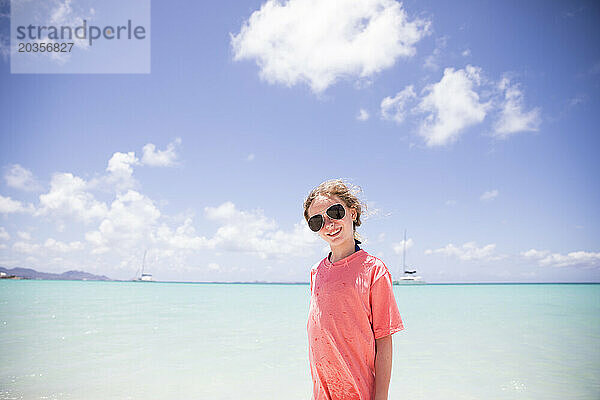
x: 72, y: 275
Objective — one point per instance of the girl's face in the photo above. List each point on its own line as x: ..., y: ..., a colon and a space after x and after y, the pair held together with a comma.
x: 334, y: 231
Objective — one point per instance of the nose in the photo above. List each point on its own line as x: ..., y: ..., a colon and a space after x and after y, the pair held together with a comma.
x: 328, y: 221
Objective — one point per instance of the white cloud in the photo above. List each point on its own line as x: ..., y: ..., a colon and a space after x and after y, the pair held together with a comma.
x: 65, y: 15
x: 362, y: 115
x: 252, y: 232
x: 466, y: 53
x: 183, y: 237
x: 214, y: 267
x: 394, y: 108
x: 450, y: 202
x: 24, y: 235
x: 160, y: 158
x: 3, y: 234
x: 120, y: 170
x: 61, y: 247
x: 318, y: 42
x: 68, y: 196
x: 21, y: 178
x: 468, y: 252
x: 133, y: 223
x: 9, y: 206
x: 583, y: 259
x: 128, y: 223
x: 25, y: 247
x: 452, y: 105
x: 399, y: 247
x: 225, y: 211
x: 489, y: 195
x: 250, y: 157
x: 512, y: 118
x: 432, y: 60
x: 122, y: 229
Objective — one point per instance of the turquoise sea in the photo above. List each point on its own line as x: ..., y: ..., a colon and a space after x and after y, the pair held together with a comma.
x: 127, y: 340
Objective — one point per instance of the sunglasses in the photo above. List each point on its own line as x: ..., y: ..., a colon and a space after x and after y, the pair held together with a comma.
x: 316, y: 222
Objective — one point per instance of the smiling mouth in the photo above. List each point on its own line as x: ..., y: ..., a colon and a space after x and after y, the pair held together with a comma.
x: 334, y: 232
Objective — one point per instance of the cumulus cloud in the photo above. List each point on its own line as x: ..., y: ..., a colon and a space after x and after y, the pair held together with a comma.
x: 319, y: 42
x: 127, y: 223
x: 461, y: 99
x: 120, y: 170
x: 512, y: 118
x: 24, y: 235
x: 399, y: 247
x: 452, y: 104
x: 25, y: 247
x: 394, y: 108
x: 21, y: 178
x: 253, y: 232
x: 489, y: 195
x: 160, y: 158
x: 468, y: 252
x: 69, y: 196
x: 362, y: 115
x: 132, y: 222
x: 61, y: 247
x: 9, y: 206
x: 582, y: 259
x: 184, y: 237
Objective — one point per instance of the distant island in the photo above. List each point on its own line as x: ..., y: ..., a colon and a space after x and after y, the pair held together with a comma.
x: 27, y: 273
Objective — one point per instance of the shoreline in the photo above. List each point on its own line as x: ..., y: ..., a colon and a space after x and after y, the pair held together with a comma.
x: 18, y: 278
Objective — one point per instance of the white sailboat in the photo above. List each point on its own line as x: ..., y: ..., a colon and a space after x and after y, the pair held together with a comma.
x: 144, y: 277
x: 410, y: 275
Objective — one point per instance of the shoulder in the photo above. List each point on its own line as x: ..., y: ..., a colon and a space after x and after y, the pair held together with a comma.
x: 375, y: 266
x: 316, y: 266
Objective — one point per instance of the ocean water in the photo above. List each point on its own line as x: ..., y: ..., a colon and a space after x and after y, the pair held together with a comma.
x: 127, y: 340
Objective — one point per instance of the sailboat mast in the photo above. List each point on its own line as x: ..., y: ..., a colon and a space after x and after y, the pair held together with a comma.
x: 144, y: 262
x: 404, y: 253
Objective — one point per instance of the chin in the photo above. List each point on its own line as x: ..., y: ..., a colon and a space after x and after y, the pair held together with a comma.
x: 340, y: 240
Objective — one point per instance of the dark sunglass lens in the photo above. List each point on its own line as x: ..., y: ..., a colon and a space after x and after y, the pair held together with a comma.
x: 315, y: 223
x: 336, y: 211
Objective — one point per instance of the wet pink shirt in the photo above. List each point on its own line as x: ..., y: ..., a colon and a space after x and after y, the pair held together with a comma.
x: 351, y: 305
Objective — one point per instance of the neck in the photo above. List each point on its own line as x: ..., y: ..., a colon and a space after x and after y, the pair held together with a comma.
x: 342, y: 251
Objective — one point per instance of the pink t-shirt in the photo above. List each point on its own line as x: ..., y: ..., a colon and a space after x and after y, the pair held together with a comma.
x: 351, y: 305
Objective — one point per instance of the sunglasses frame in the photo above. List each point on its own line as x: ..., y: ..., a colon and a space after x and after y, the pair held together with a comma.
x: 323, y: 218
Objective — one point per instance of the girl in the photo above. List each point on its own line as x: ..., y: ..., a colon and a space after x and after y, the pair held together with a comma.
x: 353, y: 312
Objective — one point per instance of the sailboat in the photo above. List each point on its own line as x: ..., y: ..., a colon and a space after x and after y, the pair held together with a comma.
x: 144, y: 277
x: 410, y: 275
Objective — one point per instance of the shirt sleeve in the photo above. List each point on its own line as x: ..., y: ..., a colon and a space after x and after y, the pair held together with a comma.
x: 386, y: 317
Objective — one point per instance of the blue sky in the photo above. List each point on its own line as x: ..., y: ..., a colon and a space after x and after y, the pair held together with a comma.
x: 473, y: 125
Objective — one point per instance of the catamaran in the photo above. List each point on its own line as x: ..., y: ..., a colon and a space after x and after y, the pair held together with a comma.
x: 144, y: 277
x: 410, y: 275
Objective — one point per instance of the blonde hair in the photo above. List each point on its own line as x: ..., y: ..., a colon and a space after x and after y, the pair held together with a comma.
x: 346, y: 192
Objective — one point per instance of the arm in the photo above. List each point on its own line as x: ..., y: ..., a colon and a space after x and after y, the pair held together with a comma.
x: 383, y: 366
